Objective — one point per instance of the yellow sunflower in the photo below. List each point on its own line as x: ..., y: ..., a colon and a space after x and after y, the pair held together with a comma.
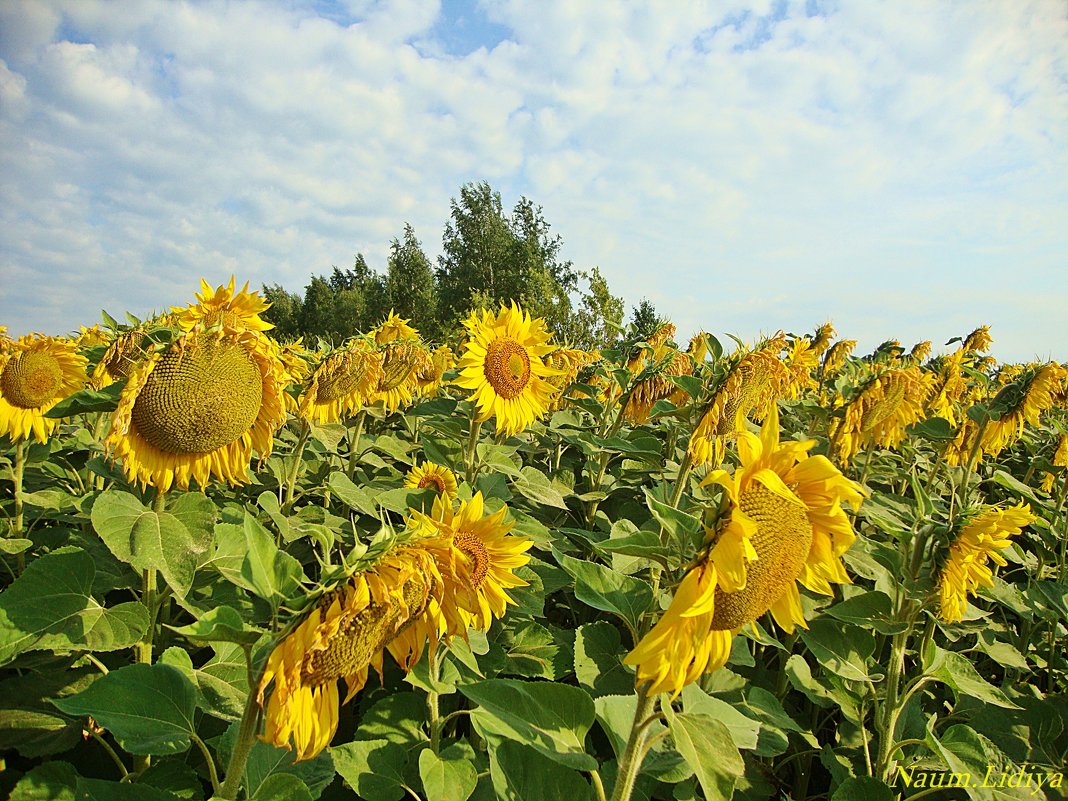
x: 880, y: 411
x: 920, y: 351
x: 393, y: 328
x: 836, y: 356
x: 978, y: 542
x: 435, y: 476
x: 296, y: 367
x: 754, y: 382
x: 978, y: 341
x: 428, y: 380
x: 1060, y: 459
x: 402, y: 362
x: 482, y: 559
x: 341, y: 384
x: 6, y: 342
x: 801, y: 359
x: 238, y: 310
x: 781, y: 522
x: 567, y: 362
x: 198, y: 408
x: 341, y: 637
x: 502, y: 365
x: 122, y: 355
x: 1027, y: 399
x: 36, y: 373
x: 822, y: 338
x: 92, y: 336
x: 948, y: 388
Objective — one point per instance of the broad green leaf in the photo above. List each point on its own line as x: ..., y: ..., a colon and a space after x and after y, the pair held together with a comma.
x: 744, y: 731
x: 605, y: 589
x: 498, y: 458
x: 682, y: 528
x: 374, y: 768
x: 266, y: 761
x: 448, y: 777
x: 148, y: 708
x: 958, y: 673
x: 934, y: 429
x: 535, y: 651
x: 551, y: 718
x: 521, y: 773
x: 599, y: 660
x: 221, y: 688
x: 88, y: 401
x: 274, y: 575
x: 329, y: 434
x: 282, y: 787
x: 869, y: 609
x: 29, y: 723
x: 51, y: 499
x: 706, y: 745
x: 50, y: 607
x: 533, y: 484
x: 52, y: 781
x: 974, y: 763
x: 867, y: 787
x: 147, y: 540
x: 352, y: 496
x: 841, y: 648
x: 615, y: 714
x: 221, y: 624
x: 396, y: 718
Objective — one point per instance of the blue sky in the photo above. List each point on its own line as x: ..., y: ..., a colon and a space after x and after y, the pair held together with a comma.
x: 900, y: 169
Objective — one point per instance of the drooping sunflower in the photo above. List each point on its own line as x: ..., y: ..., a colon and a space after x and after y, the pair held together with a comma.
x: 343, y: 635
x: 122, y: 355
x: 429, y: 378
x: 1024, y: 401
x: 402, y: 362
x: 836, y: 355
x: 879, y: 413
x: 1060, y: 459
x: 567, y: 362
x: 657, y: 386
x: 393, y: 328
x: 434, y: 476
x: 503, y: 366
x: 198, y: 408
x: 92, y: 336
x: 948, y: 388
x: 919, y: 353
x: 978, y: 542
x: 754, y: 382
x: 296, y: 368
x: 978, y: 341
x: 342, y: 383
x: 222, y: 305
x: 781, y: 522
x: 482, y: 556
x: 801, y: 359
x: 36, y: 373
x: 6, y: 343
x: 821, y: 340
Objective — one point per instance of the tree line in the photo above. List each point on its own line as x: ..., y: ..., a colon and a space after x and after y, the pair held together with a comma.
x: 488, y: 258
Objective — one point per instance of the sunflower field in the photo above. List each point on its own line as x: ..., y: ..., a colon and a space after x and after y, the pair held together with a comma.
x: 501, y: 567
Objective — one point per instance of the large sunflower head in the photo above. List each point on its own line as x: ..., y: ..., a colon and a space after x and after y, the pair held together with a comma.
x: 432, y: 476
x: 222, y: 305
x: 402, y: 362
x: 781, y: 523
x: 341, y: 637
x: 393, y: 328
x: 503, y: 367
x: 801, y: 359
x: 481, y: 557
x: 654, y: 384
x: 1020, y: 403
x: 198, y: 408
x: 882, y: 409
x: 36, y: 373
x: 343, y: 382
x: 978, y: 542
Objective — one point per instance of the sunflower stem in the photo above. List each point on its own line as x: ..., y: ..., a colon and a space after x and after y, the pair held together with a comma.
x: 16, y: 471
x: 630, y: 762
x: 433, y: 708
x: 298, y: 455
x: 973, y: 456
x: 472, y: 446
x: 354, y: 443
x: 680, y: 483
x: 246, y: 738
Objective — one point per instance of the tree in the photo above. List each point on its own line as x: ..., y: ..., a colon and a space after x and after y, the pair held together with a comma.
x: 597, y: 321
x: 284, y: 312
x: 317, y: 313
x: 410, y: 284
x: 644, y: 320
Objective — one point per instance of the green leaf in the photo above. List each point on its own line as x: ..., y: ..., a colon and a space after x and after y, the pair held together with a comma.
x: 330, y: 435
x: 681, y: 527
x: 533, y: 484
x: 374, y: 768
x: 282, y: 787
x: 706, y: 745
x: 867, y: 787
x: 744, y: 731
x: 535, y: 651
x: 871, y: 609
x: 88, y: 401
x: 50, y: 607
x: 958, y: 673
x: 605, y: 589
x: 615, y: 714
x: 933, y: 429
x: 50, y: 499
x: 521, y: 773
x: 551, y: 718
x: 147, y: 540
x: 266, y: 761
x: 599, y: 660
x: 1014, y: 484
x: 974, y: 763
x: 272, y: 574
x: 448, y: 777
x: 842, y: 649
x: 352, y: 496
x: 221, y: 624
x: 52, y: 781
x: 148, y: 708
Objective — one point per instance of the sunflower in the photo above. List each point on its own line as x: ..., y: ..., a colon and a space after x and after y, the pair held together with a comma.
x: 402, y: 362
x: 296, y: 367
x: 754, y: 382
x: 880, y: 411
x: 435, y: 476
x: 6, y: 342
x: 1060, y: 459
x: 836, y: 355
x: 237, y: 310
x: 502, y: 364
x: 801, y: 359
x: 948, y: 389
x: 122, y: 355
x: 482, y: 556
x: 92, y: 336
x: 429, y: 378
x: 393, y: 328
x: 920, y: 351
x: 781, y: 522
x: 978, y: 341
x: 657, y: 386
x: 978, y: 542
x: 821, y: 340
x: 698, y: 347
x: 341, y: 637
x: 567, y: 362
x: 36, y: 373
x: 1022, y: 402
x: 342, y: 383
x: 197, y: 408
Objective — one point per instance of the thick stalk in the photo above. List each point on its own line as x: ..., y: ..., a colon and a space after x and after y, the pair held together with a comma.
x: 433, y: 710
x: 354, y: 443
x: 246, y: 738
x: 886, y: 722
x: 680, y: 482
x: 472, y: 447
x: 298, y: 455
x: 16, y: 471
x: 630, y: 762
x: 973, y: 456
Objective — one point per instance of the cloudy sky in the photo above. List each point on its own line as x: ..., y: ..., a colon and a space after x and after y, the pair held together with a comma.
x: 898, y: 168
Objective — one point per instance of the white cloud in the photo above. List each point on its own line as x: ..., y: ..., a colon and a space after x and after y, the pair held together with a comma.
x: 746, y: 169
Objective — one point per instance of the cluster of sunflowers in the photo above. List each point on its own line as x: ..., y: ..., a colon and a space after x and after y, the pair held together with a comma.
x: 197, y: 391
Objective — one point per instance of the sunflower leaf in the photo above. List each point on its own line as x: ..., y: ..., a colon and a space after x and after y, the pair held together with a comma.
x: 605, y: 589
x: 88, y: 401
x: 955, y: 671
x: 707, y: 746
x: 522, y: 773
